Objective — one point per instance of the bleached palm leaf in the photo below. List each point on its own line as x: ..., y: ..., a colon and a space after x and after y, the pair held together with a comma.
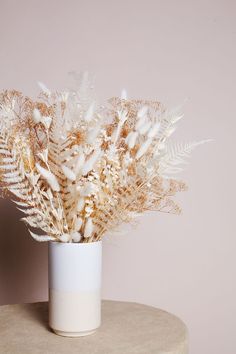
x: 41, y: 238
x: 176, y: 155
x: 22, y: 204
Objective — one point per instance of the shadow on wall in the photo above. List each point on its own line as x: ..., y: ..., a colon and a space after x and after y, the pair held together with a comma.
x: 23, y: 261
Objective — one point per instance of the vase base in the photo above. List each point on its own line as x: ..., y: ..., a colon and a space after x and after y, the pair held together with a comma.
x: 73, y: 334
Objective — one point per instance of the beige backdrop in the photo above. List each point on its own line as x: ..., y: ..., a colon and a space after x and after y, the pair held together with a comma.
x: 165, y: 50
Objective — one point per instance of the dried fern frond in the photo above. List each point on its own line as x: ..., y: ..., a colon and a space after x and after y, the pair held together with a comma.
x: 77, y: 169
x: 176, y: 155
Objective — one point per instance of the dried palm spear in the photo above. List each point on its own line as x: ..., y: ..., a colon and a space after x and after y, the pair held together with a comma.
x: 77, y: 169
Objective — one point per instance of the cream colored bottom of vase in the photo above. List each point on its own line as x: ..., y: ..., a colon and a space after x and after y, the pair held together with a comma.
x: 74, y: 314
x: 73, y: 334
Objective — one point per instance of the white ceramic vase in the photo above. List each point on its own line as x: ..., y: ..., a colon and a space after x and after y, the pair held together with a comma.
x: 75, y: 288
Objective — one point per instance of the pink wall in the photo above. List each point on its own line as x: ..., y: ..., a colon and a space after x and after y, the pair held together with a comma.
x: 167, y: 50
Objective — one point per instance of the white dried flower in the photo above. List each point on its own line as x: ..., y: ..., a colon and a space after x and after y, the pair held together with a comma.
x: 68, y: 173
x: 79, y: 163
x: 131, y: 139
x: 78, y: 223
x: 36, y: 116
x: 143, y: 149
x: 88, y: 211
x: 76, y: 236
x: 80, y: 204
x: 88, y: 230
x: 87, y: 189
x: 47, y: 121
x: 127, y: 159
x: 142, y: 112
x: 144, y: 128
x: 140, y: 122
x: 92, y: 134
x: 49, y: 177
x: 122, y: 115
x: 89, y: 164
x: 90, y: 112
x: 65, y: 237
x: 154, y: 130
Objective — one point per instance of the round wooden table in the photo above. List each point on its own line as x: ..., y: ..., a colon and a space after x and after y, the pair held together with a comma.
x: 127, y: 328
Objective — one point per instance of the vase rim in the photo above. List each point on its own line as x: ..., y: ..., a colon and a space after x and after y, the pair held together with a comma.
x: 81, y: 244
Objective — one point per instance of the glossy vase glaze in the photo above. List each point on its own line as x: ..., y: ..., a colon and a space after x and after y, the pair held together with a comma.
x: 75, y: 287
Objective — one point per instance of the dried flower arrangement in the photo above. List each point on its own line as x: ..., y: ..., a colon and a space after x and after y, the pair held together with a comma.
x: 78, y: 170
